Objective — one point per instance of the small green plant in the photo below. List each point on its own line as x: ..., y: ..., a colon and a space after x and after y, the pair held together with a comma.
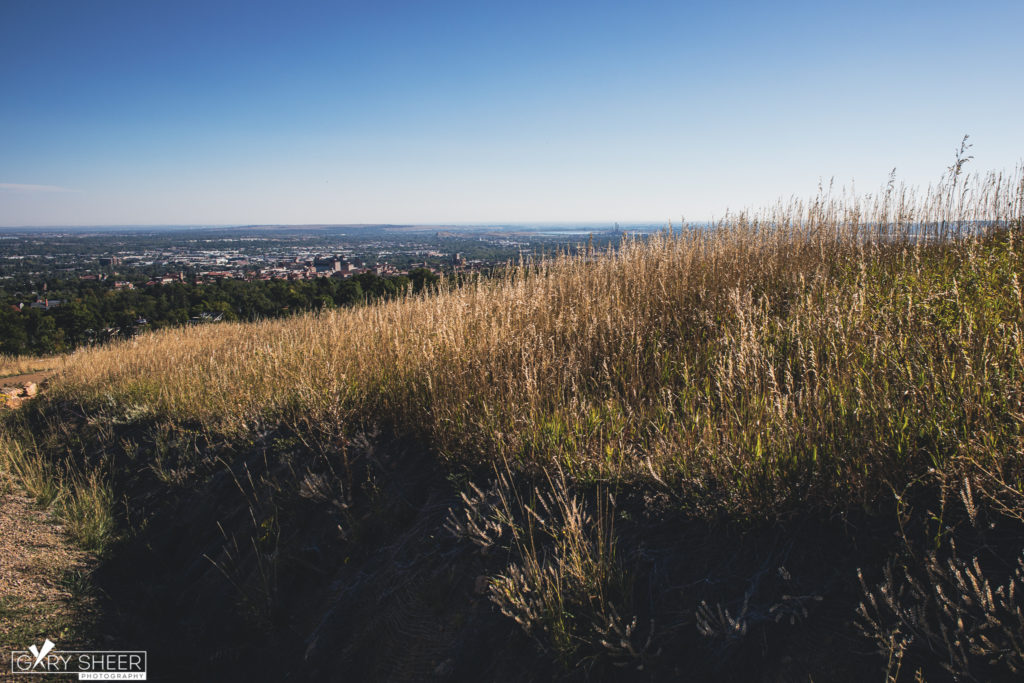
x: 83, y: 502
x: 10, y: 607
x: 41, y: 481
x: 87, y: 512
x: 78, y: 583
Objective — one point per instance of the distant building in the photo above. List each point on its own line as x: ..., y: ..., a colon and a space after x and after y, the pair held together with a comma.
x: 206, y: 317
x: 327, y: 267
x: 166, y: 280
x: 108, y: 261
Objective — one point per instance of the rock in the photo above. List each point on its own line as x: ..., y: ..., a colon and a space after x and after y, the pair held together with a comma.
x: 445, y: 668
x: 30, y: 389
x: 10, y: 392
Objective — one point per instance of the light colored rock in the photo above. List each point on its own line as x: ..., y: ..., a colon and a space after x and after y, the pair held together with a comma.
x: 31, y: 389
x: 445, y: 668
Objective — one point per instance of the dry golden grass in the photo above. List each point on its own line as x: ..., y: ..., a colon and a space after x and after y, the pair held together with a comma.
x: 809, y: 349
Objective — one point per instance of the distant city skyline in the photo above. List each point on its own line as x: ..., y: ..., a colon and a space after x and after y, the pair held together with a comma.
x: 234, y: 113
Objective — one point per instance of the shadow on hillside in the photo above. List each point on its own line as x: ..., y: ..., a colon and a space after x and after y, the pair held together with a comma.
x: 267, y: 569
x: 285, y: 559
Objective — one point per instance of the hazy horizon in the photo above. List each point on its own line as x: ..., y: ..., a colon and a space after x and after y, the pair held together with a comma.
x: 505, y: 225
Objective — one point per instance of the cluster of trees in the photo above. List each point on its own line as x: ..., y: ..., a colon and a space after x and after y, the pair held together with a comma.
x: 91, y: 313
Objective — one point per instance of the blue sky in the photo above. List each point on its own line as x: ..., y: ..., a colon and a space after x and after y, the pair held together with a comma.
x: 302, y: 112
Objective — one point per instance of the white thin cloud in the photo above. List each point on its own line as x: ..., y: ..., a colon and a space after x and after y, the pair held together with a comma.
x: 32, y: 189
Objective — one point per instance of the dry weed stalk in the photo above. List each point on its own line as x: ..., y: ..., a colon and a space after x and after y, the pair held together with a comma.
x: 953, y: 611
x: 563, y: 579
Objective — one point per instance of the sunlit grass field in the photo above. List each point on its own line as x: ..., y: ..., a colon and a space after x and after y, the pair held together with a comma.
x: 814, y: 353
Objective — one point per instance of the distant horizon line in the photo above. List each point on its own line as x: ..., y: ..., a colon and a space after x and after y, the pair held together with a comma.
x: 461, y: 225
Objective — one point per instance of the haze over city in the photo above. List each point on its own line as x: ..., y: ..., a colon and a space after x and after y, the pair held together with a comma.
x: 453, y: 112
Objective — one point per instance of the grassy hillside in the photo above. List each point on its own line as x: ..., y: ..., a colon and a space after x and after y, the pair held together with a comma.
x: 762, y: 450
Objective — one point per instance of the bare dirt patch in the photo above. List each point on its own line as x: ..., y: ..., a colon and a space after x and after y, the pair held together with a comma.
x: 21, y: 380
x: 45, y: 587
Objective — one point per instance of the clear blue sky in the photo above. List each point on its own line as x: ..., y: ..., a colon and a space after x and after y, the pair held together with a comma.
x: 175, y: 112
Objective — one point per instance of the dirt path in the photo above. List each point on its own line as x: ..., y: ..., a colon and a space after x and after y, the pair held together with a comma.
x: 44, y: 587
x: 19, y: 380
